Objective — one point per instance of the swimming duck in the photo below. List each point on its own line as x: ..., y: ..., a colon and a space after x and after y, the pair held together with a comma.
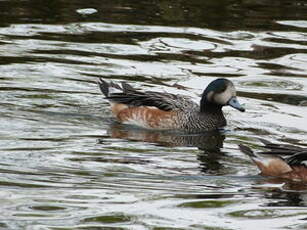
x: 159, y: 110
x: 283, y: 161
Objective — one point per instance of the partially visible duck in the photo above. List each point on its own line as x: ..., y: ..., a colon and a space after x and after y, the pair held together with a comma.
x: 283, y: 161
x: 157, y: 110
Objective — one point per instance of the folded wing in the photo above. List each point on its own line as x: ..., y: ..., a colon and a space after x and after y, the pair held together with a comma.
x: 126, y: 94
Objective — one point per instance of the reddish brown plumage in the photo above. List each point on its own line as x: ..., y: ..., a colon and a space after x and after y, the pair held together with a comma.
x: 117, y: 108
x: 273, y: 167
x: 292, y: 167
x: 297, y: 173
x: 146, y: 116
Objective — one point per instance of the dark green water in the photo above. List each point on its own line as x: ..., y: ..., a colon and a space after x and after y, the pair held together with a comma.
x: 65, y: 165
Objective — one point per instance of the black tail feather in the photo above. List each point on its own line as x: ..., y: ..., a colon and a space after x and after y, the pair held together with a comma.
x: 246, y: 150
x: 281, y: 149
x: 104, y: 86
x: 127, y: 87
x: 114, y: 85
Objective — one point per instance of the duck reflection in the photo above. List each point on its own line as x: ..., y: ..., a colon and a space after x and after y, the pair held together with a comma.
x: 291, y: 194
x: 210, y: 143
x: 285, y: 184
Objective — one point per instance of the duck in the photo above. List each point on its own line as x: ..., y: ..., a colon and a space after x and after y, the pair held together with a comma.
x: 166, y: 111
x: 281, y: 160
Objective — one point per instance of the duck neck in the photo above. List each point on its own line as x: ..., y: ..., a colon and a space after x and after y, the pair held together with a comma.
x: 211, y: 116
x: 209, y: 107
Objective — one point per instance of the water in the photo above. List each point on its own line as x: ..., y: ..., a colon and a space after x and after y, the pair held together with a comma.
x: 66, y: 165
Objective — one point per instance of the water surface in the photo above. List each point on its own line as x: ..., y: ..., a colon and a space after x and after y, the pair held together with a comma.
x: 66, y: 165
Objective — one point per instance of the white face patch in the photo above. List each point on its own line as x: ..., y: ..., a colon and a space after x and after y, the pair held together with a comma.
x: 224, y: 97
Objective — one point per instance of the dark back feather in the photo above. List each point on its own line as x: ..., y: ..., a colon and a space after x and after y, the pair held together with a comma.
x: 246, y: 150
x: 133, y: 97
x: 281, y: 149
x: 127, y: 87
x: 104, y: 87
x: 298, y: 159
x: 293, y: 155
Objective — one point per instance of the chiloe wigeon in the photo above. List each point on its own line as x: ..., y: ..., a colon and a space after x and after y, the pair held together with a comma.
x: 282, y: 161
x: 159, y: 110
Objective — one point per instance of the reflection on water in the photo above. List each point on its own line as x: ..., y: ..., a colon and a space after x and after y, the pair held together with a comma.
x: 300, y: 100
x: 207, y: 141
x: 64, y: 165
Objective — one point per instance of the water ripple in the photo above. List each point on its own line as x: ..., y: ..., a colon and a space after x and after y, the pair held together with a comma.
x: 65, y: 163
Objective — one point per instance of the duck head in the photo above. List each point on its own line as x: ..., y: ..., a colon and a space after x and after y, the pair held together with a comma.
x: 219, y: 93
